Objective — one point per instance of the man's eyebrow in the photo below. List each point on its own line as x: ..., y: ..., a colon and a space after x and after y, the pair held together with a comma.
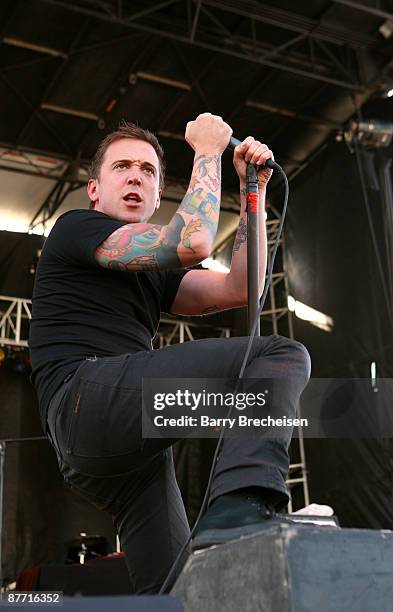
x: 130, y: 161
x: 146, y: 163
x: 120, y: 161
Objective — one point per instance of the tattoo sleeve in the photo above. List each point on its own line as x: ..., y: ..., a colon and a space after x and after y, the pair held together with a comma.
x: 201, y: 204
x: 142, y: 247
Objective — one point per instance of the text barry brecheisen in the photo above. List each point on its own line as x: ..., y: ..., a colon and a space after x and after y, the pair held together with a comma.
x: 239, y: 420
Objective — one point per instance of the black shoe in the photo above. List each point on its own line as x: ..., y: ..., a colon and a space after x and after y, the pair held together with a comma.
x: 232, y: 516
x: 229, y: 514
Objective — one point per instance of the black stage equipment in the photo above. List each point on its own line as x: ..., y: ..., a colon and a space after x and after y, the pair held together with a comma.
x: 285, y: 568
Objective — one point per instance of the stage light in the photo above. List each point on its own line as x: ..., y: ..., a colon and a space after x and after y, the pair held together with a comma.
x: 370, y: 133
x: 306, y: 313
x: 386, y: 29
x: 373, y: 376
x: 11, y: 225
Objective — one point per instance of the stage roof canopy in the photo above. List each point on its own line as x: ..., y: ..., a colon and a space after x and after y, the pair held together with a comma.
x: 290, y: 74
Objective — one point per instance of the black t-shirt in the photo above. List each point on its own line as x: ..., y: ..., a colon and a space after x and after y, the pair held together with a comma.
x: 81, y: 309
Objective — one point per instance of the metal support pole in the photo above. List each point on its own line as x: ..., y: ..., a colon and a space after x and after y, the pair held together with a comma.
x: 252, y: 246
x: 385, y: 180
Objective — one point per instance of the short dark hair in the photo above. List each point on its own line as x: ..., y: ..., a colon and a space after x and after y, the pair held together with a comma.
x: 134, y: 132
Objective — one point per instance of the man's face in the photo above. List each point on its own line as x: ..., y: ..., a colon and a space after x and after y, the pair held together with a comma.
x: 127, y: 187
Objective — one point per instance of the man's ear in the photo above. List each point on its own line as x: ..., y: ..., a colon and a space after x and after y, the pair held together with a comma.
x: 92, y: 190
x: 158, y: 201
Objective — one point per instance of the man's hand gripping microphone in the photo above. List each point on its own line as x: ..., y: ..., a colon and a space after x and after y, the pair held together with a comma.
x: 270, y: 163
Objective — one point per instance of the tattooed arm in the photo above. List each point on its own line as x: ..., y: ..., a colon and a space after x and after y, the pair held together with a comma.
x: 205, y: 291
x: 250, y: 151
x: 188, y: 237
x: 238, y: 272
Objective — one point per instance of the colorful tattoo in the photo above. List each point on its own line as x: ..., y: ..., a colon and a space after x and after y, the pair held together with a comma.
x: 194, y: 226
x: 145, y: 262
x: 120, y: 242
x: 204, y: 204
x: 155, y: 248
x: 212, y: 177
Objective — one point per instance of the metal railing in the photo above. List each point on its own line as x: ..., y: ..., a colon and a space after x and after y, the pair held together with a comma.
x: 15, y: 314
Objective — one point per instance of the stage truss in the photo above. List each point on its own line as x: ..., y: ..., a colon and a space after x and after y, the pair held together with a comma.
x: 15, y: 314
x: 276, y: 318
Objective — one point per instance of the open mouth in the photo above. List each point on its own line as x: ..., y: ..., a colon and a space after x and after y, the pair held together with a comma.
x: 132, y: 198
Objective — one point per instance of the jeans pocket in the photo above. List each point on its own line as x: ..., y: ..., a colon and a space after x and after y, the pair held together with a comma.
x: 103, y: 421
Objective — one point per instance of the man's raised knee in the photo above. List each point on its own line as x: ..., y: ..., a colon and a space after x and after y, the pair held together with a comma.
x: 294, y: 350
x: 298, y: 349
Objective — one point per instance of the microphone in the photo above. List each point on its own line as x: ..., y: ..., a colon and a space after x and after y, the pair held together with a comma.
x: 270, y: 163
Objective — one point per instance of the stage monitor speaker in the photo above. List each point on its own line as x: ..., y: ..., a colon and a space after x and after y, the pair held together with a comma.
x: 285, y: 568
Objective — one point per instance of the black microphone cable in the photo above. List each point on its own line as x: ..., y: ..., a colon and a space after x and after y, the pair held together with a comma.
x: 274, y: 166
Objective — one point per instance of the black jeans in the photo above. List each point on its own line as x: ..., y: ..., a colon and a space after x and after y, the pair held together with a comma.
x: 94, y: 423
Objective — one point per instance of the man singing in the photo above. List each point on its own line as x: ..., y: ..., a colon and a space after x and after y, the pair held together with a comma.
x: 104, y: 277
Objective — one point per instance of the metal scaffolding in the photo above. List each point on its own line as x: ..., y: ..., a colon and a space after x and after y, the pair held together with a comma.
x: 15, y: 314
x: 173, y: 331
x: 311, y: 42
x: 276, y: 318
